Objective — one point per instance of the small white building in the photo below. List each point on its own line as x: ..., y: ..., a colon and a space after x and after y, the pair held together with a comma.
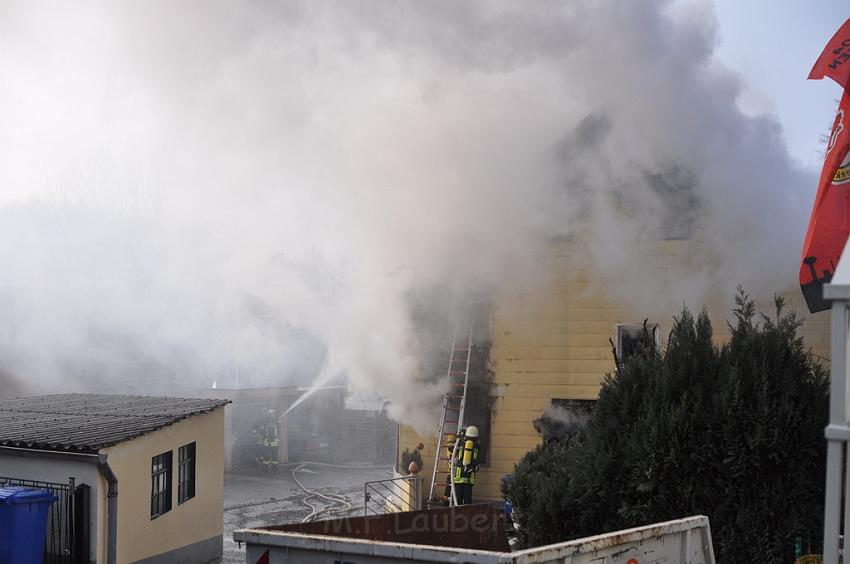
x: 154, y: 467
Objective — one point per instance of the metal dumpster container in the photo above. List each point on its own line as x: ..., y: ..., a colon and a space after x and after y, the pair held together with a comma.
x: 470, y: 534
x: 23, y: 520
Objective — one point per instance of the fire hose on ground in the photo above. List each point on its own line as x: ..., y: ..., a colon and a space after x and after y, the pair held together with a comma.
x: 340, y: 504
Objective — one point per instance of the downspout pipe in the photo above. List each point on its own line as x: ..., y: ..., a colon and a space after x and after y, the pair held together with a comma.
x: 100, y: 459
x: 111, y: 507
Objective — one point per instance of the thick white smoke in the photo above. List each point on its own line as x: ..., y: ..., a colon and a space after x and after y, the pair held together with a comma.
x: 267, y: 191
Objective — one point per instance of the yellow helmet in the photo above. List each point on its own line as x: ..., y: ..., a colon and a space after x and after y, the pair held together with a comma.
x: 472, y: 432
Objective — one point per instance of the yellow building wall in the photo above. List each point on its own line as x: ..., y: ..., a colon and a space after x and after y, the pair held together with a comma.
x: 552, y: 341
x: 197, y: 519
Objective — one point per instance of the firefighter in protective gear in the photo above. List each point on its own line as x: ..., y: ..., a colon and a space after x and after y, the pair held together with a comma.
x: 466, y: 465
x: 451, y: 439
x: 268, y: 439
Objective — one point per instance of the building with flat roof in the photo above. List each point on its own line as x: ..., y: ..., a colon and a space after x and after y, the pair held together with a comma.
x: 152, y: 469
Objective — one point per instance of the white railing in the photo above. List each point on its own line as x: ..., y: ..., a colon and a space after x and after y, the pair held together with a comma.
x: 837, y: 431
x: 402, y: 493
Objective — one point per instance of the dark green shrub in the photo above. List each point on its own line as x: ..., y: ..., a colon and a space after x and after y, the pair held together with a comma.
x: 734, y: 433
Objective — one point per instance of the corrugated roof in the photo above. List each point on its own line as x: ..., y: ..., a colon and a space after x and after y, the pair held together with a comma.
x: 89, y: 422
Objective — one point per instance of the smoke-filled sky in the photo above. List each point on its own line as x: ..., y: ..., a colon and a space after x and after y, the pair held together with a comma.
x: 776, y: 77
x: 267, y: 191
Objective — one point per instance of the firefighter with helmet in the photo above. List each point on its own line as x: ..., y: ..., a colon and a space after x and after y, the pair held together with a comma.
x: 451, y: 440
x: 466, y: 465
x: 268, y: 439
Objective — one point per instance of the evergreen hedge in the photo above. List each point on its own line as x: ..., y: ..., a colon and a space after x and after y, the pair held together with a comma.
x: 734, y: 432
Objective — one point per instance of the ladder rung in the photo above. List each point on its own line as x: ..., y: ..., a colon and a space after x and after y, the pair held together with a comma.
x: 454, y: 396
x: 457, y: 372
x: 450, y: 421
x: 461, y: 384
x: 452, y: 408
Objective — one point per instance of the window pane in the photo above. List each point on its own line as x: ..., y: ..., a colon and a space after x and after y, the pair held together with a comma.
x: 629, y: 338
x: 564, y: 418
x: 186, y: 473
x: 160, y: 484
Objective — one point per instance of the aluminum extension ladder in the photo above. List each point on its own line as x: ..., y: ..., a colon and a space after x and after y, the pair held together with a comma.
x: 451, y: 419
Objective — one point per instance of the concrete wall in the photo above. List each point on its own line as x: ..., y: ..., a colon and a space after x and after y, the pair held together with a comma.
x: 550, y: 341
x: 59, y: 470
x: 196, y: 522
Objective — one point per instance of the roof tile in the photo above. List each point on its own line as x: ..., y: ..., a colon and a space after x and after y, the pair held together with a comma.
x: 89, y: 422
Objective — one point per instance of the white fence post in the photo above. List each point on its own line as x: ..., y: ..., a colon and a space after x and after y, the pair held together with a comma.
x: 837, y: 435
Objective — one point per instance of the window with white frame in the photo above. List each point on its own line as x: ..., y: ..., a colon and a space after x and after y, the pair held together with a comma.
x: 629, y: 336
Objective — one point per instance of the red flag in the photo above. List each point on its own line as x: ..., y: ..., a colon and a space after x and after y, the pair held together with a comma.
x: 830, y: 221
x: 834, y: 62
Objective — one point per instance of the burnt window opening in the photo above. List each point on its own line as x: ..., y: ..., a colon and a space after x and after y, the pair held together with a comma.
x: 443, y: 322
x: 630, y: 338
x: 564, y: 419
x: 477, y: 402
x: 678, y: 206
x: 479, y: 415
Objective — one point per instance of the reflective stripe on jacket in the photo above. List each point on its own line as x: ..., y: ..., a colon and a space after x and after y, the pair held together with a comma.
x: 268, y: 435
x: 467, y: 455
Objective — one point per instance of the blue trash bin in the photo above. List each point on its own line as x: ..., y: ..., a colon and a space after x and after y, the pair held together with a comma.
x: 23, y: 520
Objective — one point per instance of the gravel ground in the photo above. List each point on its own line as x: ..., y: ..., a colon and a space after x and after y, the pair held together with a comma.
x: 251, y: 500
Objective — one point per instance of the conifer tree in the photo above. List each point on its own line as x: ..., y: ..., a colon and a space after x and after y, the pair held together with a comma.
x: 671, y: 448
x: 773, y: 410
x: 539, y: 492
x: 734, y: 433
x: 602, y: 482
